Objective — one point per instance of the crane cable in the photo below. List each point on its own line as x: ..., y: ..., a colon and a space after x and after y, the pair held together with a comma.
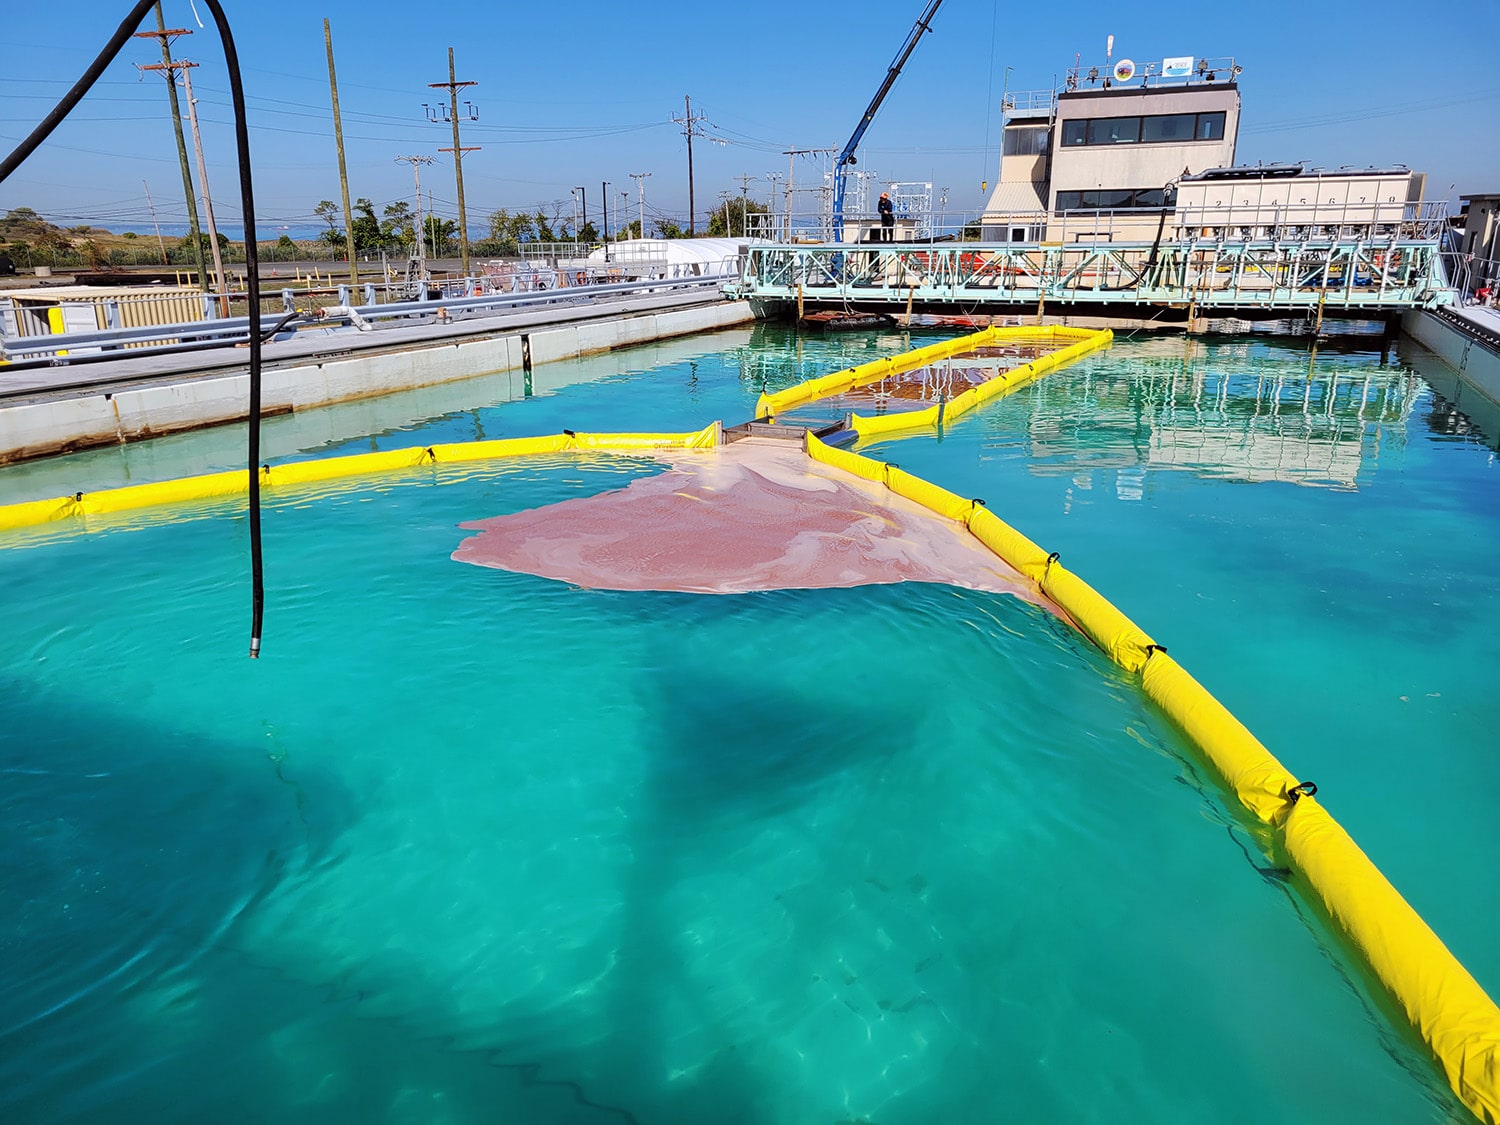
x: 252, y: 260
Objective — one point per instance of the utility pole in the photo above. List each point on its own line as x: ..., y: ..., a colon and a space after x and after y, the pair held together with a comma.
x: 689, y: 125
x: 416, y: 163
x: 774, y: 178
x: 161, y: 33
x: 604, y: 198
x: 208, y: 200
x: 338, y: 137
x: 791, y: 155
x: 160, y: 245
x: 458, y: 150
x: 640, y: 185
x: 583, y: 201
x: 745, y: 179
x: 208, y: 203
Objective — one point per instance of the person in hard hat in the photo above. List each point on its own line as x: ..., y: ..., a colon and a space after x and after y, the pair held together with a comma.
x: 887, y: 218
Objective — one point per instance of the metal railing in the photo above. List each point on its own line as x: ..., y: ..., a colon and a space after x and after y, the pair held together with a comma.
x: 73, y: 347
x: 1470, y: 274
x: 1250, y: 275
x: 1204, y: 71
x: 1029, y: 101
x: 556, y: 251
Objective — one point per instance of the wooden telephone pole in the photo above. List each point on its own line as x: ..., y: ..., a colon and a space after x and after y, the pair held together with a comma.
x: 453, y: 86
x: 165, y: 36
x: 208, y: 203
x: 338, y: 137
x: 689, y: 127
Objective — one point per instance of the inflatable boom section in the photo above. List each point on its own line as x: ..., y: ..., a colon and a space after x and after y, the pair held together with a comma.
x: 215, y: 486
x: 1444, y: 1004
x: 1072, y: 343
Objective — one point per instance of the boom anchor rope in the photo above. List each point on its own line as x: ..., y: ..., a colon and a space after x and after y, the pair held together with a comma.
x: 1304, y: 789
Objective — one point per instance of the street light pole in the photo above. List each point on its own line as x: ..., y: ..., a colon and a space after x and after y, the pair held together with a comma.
x: 583, y: 202
x: 604, y: 199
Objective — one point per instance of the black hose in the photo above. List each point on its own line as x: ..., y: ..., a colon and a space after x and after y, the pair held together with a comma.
x: 252, y: 257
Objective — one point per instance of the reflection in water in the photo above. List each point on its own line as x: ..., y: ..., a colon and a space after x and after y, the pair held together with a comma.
x: 1286, y: 417
x: 1460, y: 407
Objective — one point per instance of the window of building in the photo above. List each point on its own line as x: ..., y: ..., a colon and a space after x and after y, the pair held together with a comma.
x: 1176, y: 127
x: 1026, y: 141
x: 1114, y: 130
x: 1167, y: 128
x: 1121, y: 199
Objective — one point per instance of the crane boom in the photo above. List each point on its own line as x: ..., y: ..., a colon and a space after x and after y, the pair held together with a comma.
x: 846, y: 154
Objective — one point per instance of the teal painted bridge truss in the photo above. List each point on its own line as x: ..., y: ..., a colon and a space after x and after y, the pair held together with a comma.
x: 1221, y: 277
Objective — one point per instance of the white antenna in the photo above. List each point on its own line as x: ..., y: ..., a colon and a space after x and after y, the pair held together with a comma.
x: 1109, y: 48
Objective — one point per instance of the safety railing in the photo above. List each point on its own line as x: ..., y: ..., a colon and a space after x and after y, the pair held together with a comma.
x: 554, y: 251
x: 1028, y: 101
x: 76, y: 347
x: 1383, y: 275
x: 1470, y: 275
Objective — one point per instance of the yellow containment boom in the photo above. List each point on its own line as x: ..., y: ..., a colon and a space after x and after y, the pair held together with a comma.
x: 221, y: 485
x: 1445, y: 1005
x: 1084, y: 340
x: 1073, y: 342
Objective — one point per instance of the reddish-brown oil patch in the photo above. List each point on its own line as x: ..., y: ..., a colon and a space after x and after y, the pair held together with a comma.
x: 755, y: 515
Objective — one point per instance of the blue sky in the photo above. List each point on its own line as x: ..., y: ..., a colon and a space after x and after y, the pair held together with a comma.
x: 584, y: 92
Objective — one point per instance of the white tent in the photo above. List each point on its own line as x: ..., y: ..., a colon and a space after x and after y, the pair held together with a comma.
x: 675, y: 257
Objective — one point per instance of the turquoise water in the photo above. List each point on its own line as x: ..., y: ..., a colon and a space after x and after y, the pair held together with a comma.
x: 474, y: 846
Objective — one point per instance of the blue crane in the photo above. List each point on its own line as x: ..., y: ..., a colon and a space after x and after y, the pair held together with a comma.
x: 846, y: 156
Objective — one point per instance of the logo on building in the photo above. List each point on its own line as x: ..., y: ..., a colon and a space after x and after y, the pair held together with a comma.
x: 1124, y: 70
x: 1179, y: 67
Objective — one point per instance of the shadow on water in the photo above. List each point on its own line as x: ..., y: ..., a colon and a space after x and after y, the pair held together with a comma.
x: 127, y: 851
x: 732, y: 752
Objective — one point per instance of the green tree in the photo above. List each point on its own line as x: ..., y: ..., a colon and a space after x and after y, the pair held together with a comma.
x: 182, y: 253
x: 399, y: 228
x: 666, y: 228
x: 52, y: 240
x: 366, y: 228
x: 93, y: 254
x: 328, y: 211
x: 730, y: 219
x: 439, y: 232
x: 21, y: 216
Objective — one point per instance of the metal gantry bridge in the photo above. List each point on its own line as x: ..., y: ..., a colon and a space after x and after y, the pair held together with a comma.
x: 1241, y: 278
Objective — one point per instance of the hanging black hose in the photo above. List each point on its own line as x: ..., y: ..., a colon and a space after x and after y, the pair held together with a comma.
x: 252, y: 258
